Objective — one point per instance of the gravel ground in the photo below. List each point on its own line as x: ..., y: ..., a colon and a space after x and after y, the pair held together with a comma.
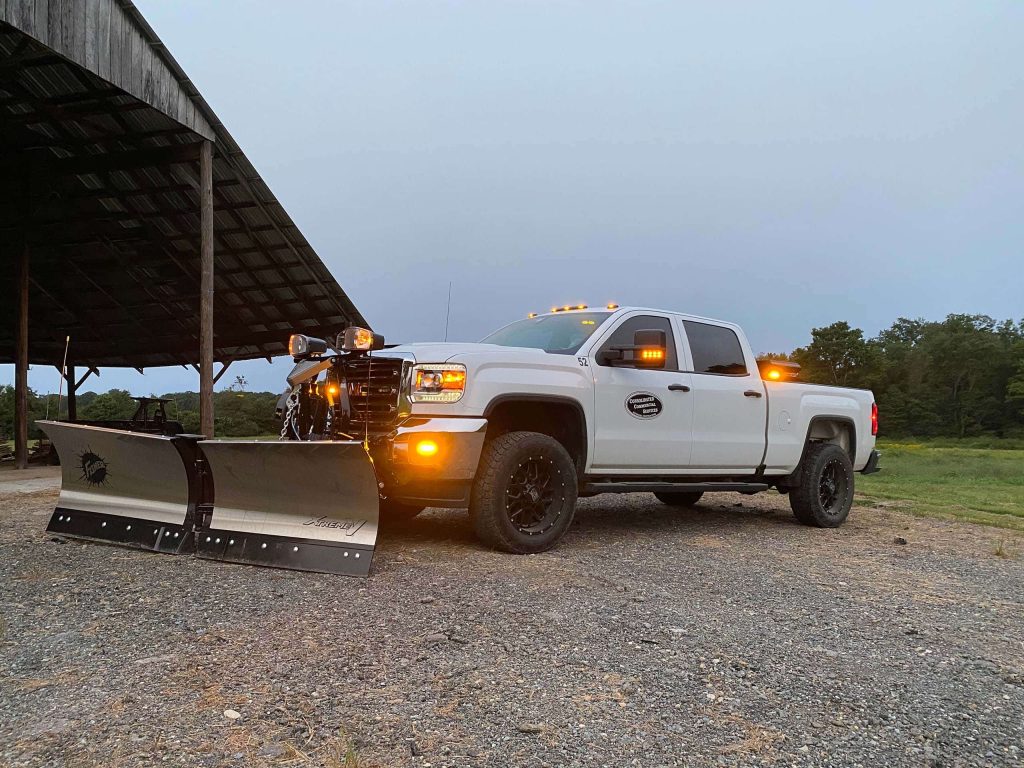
x: 723, y: 635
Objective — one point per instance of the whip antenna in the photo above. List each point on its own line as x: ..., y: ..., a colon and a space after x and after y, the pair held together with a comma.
x: 63, y: 374
x: 448, y: 313
x: 366, y: 415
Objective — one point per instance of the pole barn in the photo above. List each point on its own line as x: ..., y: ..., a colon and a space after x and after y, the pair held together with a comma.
x: 131, y: 223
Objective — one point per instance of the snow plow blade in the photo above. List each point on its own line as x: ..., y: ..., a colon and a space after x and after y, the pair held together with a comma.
x: 307, y: 506
x: 130, y: 488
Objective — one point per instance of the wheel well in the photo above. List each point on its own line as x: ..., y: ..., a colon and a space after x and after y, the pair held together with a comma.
x: 823, y: 429
x: 561, y: 419
x: 836, y: 431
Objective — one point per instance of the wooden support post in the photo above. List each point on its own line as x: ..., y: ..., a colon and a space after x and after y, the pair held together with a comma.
x: 72, y: 391
x: 21, y: 366
x: 206, y: 290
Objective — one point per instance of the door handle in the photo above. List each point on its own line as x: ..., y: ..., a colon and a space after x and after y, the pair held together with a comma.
x: 678, y: 388
x: 751, y: 393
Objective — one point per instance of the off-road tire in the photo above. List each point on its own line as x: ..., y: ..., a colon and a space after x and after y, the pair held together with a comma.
x: 679, y: 498
x: 502, y: 490
x: 395, y: 512
x: 815, y: 502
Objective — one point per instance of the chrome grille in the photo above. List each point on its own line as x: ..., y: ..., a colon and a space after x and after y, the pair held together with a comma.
x: 374, y: 388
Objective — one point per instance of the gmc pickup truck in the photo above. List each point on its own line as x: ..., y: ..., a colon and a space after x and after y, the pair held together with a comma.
x: 576, y: 402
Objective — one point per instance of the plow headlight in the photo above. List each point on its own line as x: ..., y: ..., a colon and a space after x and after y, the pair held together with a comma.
x: 438, y: 382
x: 300, y: 346
x: 360, y: 340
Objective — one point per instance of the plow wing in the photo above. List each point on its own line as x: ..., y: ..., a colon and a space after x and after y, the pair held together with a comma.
x: 308, y: 506
x: 129, y: 488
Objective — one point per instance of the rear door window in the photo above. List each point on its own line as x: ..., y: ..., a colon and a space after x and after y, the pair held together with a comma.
x: 715, y: 349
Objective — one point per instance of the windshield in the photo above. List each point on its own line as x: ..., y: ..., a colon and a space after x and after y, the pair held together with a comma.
x: 560, y: 334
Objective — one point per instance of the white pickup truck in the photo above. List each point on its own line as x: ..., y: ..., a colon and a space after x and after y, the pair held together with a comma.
x: 581, y: 401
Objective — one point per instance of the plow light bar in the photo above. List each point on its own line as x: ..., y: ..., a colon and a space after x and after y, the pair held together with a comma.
x: 300, y: 346
x: 360, y: 340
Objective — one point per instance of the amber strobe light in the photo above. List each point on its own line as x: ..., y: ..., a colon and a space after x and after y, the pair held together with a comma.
x: 778, y: 370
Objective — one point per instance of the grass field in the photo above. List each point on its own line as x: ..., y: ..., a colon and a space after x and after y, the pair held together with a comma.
x: 975, y: 484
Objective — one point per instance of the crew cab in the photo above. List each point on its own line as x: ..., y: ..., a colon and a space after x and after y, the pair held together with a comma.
x: 581, y: 401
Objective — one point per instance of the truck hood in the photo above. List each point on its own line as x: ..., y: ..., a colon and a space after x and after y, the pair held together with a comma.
x: 442, y: 352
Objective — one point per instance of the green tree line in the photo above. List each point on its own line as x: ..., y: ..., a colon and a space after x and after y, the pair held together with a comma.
x: 958, y: 377
x: 237, y: 413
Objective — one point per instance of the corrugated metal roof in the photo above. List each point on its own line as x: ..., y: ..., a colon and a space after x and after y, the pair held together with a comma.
x: 108, y: 185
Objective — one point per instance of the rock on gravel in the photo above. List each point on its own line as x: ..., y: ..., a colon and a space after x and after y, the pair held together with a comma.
x: 719, y: 635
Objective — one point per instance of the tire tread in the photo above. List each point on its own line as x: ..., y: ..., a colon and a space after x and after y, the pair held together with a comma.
x: 485, y: 520
x: 803, y: 499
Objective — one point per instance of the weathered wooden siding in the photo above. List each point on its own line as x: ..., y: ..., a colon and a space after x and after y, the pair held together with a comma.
x: 102, y: 37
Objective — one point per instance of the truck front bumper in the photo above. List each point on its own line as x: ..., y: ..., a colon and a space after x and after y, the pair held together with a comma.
x: 431, y: 462
x: 872, y: 466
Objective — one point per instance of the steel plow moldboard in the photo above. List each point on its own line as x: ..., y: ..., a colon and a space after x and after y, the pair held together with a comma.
x: 129, y: 488
x: 309, y: 506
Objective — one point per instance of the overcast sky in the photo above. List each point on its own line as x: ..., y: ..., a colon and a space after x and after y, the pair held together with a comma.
x: 782, y: 165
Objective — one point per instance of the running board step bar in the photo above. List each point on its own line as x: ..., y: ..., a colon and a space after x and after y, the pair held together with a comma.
x: 632, y: 486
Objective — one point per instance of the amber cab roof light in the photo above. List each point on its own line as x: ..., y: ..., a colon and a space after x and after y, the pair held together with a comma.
x: 778, y: 370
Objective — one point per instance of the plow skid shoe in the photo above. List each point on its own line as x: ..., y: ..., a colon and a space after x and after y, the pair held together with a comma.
x: 307, y: 506
x: 128, y: 488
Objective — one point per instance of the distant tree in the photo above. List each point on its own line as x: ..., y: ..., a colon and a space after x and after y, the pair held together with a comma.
x: 839, y: 355
x: 36, y: 410
x: 112, y: 405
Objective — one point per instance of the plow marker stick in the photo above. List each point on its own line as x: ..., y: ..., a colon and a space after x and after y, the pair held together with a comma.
x: 129, y: 488
x: 307, y: 506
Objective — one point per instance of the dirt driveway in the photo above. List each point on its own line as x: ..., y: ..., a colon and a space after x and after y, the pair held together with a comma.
x: 723, y: 635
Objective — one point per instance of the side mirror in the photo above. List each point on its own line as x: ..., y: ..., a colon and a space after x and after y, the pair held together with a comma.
x: 648, y: 350
x: 356, y: 339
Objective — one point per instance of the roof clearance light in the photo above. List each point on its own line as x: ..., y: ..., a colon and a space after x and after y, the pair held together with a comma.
x: 532, y: 315
x: 581, y: 306
x: 612, y: 306
x: 554, y: 309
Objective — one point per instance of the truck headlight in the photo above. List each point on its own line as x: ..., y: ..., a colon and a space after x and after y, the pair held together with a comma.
x: 438, y: 382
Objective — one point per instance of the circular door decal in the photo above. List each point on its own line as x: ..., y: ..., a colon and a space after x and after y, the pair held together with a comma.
x: 643, y: 405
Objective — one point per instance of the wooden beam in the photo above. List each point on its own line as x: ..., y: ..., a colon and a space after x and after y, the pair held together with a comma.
x: 21, y: 366
x: 223, y: 369
x: 119, y: 161
x: 206, y: 290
